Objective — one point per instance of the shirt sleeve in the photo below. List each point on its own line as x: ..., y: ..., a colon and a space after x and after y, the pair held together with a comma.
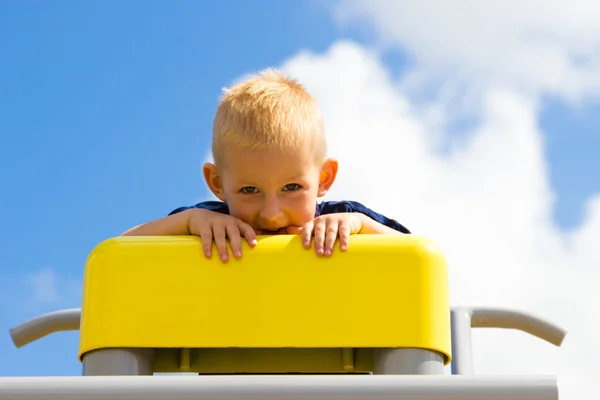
x: 216, y: 206
x: 332, y: 207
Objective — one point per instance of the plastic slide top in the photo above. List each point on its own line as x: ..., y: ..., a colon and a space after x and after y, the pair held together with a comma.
x: 385, y: 291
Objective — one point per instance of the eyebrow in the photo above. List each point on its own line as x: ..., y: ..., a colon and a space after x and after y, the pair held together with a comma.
x: 295, y: 178
x: 248, y: 182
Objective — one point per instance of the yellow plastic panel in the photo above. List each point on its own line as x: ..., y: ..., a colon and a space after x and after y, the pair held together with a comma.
x: 386, y: 291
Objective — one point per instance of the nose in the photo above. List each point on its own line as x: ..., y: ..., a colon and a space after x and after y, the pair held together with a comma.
x: 271, y: 211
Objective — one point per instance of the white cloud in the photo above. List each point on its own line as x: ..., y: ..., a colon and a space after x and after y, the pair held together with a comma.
x: 485, y: 200
x: 551, y: 46
x: 44, y: 285
x: 46, y: 288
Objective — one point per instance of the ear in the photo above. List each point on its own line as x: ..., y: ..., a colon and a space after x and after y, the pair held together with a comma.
x: 327, y: 176
x: 213, y: 180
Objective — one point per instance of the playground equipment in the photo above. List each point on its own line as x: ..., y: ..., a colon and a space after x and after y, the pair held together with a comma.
x: 373, y: 322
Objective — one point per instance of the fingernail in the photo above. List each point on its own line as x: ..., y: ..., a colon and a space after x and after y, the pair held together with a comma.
x: 238, y: 253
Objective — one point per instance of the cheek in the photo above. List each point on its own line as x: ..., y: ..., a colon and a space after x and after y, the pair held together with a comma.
x: 244, y: 210
x: 302, y: 208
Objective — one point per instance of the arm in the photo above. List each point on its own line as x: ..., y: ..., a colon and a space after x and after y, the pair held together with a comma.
x: 373, y: 222
x: 175, y: 224
x: 212, y: 227
x: 370, y: 226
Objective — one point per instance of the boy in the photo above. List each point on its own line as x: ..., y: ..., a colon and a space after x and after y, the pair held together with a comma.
x: 270, y: 167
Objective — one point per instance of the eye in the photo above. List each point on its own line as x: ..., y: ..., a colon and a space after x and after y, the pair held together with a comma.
x: 249, y: 190
x: 292, y: 186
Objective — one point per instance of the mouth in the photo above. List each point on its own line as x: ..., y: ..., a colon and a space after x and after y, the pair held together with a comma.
x: 271, y: 231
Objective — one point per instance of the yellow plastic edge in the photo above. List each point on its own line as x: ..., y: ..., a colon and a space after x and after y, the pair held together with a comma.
x: 386, y: 291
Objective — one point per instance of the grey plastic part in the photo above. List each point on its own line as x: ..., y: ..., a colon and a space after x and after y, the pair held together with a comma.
x: 43, y: 325
x: 106, y: 362
x: 362, y: 387
x: 407, y: 361
x: 464, y: 318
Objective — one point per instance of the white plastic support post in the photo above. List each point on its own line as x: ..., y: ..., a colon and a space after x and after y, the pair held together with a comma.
x: 407, y: 361
x: 111, y: 362
x: 465, y: 318
x: 462, y: 357
x: 356, y: 387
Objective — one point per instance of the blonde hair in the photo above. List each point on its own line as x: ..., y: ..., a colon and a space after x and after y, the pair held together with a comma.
x: 266, y: 111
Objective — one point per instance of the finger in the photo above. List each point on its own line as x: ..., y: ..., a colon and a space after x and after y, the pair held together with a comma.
x: 307, y: 231
x: 344, y: 234
x: 319, y: 235
x: 248, y: 233
x: 331, y: 232
x: 207, y: 239
x: 235, y: 239
x: 221, y: 241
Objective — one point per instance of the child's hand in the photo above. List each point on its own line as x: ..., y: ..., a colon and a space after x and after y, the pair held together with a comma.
x: 211, y: 225
x: 327, y: 228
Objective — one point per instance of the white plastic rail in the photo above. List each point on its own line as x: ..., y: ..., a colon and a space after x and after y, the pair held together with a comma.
x: 295, y: 387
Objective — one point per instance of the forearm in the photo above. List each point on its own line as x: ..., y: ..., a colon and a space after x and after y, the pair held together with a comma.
x: 176, y: 224
x: 370, y: 226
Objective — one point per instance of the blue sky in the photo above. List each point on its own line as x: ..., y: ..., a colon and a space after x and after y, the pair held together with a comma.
x: 105, y: 116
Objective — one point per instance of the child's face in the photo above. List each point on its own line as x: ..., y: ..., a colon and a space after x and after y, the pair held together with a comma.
x: 271, y: 189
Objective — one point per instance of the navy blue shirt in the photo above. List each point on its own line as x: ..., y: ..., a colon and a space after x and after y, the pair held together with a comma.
x: 325, y: 207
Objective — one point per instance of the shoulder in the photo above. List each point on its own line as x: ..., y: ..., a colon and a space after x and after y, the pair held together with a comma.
x: 216, y: 206
x: 331, y: 207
